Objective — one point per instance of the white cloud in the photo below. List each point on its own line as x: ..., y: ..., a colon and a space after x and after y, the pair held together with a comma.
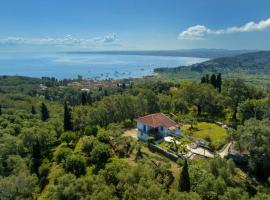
x: 200, y: 31
x: 67, y: 40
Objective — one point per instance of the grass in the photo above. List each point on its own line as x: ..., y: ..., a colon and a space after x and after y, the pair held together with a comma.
x: 208, y: 131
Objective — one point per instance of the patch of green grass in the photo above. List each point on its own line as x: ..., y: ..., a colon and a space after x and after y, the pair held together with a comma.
x: 211, y: 132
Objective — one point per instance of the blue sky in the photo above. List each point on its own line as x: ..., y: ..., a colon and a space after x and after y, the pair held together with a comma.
x: 134, y: 24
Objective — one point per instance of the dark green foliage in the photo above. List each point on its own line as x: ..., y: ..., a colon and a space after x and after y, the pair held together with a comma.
x: 102, y: 136
x: 184, y: 181
x: 44, y: 112
x: 70, y: 138
x: 236, y: 92
x: 90, y: 130
x: 0, y: 109
x: 67, y: 118
x: 253, y: 137
x: 84, y: 98
x: 61, y: 154
x: 203, y: 79
x: 219, y: 82
x: 88, y: 145
x: 213, y: 80
x: 100, y: 154
x: 139, y: 154
x: 207, y: 78
x: 76, y: 164
x: 36, y: 157
x: 33, y: 110
x: 152, y: 101
x: 43, y: 171
x: 39, y: 160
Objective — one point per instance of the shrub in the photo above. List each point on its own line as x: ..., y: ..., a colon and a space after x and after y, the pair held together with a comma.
x: 88, y: 145
x: 61, y: 154
x: 75, y: 164
x: 90, y: 130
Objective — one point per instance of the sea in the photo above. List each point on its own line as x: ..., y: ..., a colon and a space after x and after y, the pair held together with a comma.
x: 95, y: 66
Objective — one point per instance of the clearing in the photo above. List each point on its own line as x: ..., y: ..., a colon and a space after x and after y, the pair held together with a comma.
x: 210, y: 132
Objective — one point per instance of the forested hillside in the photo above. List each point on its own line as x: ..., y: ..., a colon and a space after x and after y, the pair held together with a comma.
x: 63, y: 143
x: 253, y: 67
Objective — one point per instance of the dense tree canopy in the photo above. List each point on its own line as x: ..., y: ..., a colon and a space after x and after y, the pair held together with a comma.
x: 80, y: 152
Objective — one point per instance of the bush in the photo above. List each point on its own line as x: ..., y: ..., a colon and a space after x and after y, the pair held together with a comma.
x: 76, y: 164
x: 151, y: 140
x: 69, y: 137
x: 100, y: 154
x: 44, y: 168
x: 103, y: 137
x: 128, y: 123
x: 88, y: 145
x: 90, y: 130
x: 61, y: 154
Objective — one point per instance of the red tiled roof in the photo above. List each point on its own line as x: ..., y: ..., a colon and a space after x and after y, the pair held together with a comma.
x: 156, y: 120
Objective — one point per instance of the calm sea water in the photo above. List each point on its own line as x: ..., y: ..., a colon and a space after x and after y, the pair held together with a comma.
x: 99, y: 66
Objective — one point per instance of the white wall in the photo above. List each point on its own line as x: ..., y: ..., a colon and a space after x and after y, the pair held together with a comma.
x: 144, y: 136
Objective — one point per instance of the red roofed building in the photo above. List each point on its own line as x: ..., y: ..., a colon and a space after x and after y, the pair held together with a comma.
x: 157, y: 125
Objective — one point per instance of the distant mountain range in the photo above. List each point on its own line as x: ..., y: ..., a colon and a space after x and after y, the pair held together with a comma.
x: 199, y: 53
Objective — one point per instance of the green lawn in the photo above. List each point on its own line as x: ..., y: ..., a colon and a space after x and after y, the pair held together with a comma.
x: 206, y: 131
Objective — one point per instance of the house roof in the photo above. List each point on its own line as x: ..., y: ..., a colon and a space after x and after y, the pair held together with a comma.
x: 156, y: 120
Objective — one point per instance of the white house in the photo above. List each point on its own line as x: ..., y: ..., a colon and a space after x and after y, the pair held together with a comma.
x: 157, y: 125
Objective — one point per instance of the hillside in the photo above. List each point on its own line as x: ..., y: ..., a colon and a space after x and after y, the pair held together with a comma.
x: 253, y: 67
x: 257, y: 61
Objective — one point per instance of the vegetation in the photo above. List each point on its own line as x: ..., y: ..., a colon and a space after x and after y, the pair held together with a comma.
x: 184, y: 181
x: 77, y: 150
x: 253, y: 67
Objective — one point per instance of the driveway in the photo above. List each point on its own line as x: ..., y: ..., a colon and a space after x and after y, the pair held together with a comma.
x: 225, y: 151
x: 131, y: 133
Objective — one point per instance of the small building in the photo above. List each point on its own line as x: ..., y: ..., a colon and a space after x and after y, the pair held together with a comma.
x: 157, y: 125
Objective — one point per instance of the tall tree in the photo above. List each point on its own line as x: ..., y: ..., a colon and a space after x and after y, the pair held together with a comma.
x: 184, y: 181
x: 203, y: 80
x: 236, y: 92
x: 89, y: 98
x: 207, y: 78
x: 152, y: 101
x: 213, y: 80
x: 67, y: 118
x: 219, y: 82
x: 33, y: 110
x: 84, y: 98
x: 36, y: 156
x: 44, y: 112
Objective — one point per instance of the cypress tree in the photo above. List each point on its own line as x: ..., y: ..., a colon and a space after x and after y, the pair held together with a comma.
x: 203, y: 80
x: 184, y: 182
x: 207, y: 78
x: 67, y: 118
x: 89, y: 98
x: 84, y: 98
x: 219, y: 82
x: 33, y: 110
x: 36, y: 157
x: 44, y: 112
x: 213, y: 80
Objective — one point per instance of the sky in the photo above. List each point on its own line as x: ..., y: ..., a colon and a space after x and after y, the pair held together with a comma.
x: 27, y: 25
